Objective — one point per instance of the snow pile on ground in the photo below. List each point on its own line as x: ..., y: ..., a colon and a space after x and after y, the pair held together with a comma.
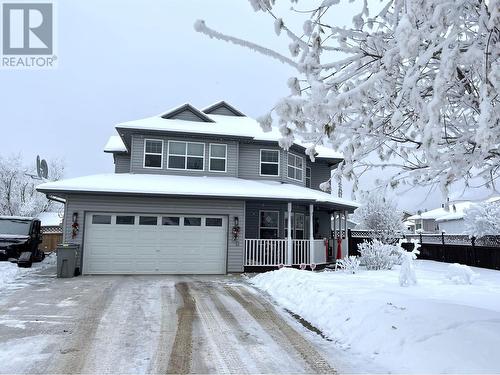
x: 461, y: 274
x: 11, y: 274
x: 434, y: 326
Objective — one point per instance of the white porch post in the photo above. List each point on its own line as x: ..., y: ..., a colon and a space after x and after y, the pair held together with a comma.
x: 346, y: 237
x: 311, y: 234
x: 289, y: 237
x: 334, y: 224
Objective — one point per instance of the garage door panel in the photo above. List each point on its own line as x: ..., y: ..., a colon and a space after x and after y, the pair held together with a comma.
x: 168, y: 249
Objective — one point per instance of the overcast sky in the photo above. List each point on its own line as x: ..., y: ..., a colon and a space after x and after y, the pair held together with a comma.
x: 124, y: 60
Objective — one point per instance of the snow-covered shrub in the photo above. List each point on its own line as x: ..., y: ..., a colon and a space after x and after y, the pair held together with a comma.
x: 407, y: 274
x: 349, y: 264
x: 460, y: 274
x: 376, y: 255
x: 380, y: 215
x: 483, y: 219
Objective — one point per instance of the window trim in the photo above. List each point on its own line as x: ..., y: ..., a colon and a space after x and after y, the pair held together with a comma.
x: 294, y: 167
x: 308, y: 178
x: 269, y: 162
x: 151, y: 153
x: 278, y: 222
x: 186, y: 156
x: 210, y: 157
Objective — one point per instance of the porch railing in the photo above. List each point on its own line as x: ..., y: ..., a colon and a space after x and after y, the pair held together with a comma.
x: 261, y: 252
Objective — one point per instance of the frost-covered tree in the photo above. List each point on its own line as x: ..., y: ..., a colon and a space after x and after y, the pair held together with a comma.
x: 18, y: 196
x: 417, y: 84
x: 483, y: 219
x: 379, y: 214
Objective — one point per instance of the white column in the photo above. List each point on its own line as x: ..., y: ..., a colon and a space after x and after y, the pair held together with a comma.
x: 345, y: 251
x: 311, y: 234
x: 334, y: 224
x: 289, y: 237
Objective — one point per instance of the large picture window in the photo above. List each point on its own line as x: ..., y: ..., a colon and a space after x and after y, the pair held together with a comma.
x: 295, y: 165
x: 218, y: 157
x: 186, y: 155
x: 269, y: 162
x: 269, y: 224
x: 153, y: 153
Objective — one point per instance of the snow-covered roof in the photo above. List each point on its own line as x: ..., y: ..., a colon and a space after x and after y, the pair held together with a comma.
x: 237, y: 126
x: 115, y: 144
x: 50, y: 219
x: 4, y: 217
x: 441, y: 213
x: 230, y: 187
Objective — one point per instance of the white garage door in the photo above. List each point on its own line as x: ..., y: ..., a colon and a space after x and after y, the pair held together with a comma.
x: 162, y: 244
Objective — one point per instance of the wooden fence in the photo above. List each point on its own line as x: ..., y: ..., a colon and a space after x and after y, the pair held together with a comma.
x: 450, y: 248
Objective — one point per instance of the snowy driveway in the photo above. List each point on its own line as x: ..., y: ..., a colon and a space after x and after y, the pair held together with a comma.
x: 141, y: 324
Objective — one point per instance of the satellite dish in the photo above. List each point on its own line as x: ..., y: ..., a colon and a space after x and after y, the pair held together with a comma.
x: 42, y: 169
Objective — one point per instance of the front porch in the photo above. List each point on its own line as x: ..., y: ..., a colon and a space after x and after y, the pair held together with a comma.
x: 271, y: 240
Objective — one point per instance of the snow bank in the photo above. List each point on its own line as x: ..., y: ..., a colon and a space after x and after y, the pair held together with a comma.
x: 434, y: 326
x: 11, y: 275
x: 460, y: 274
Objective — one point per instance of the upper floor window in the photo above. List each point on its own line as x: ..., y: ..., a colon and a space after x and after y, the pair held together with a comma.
x: 153, y: 153
x: 308, y: 177
x: 269, y: 162
x: 186, y: 155
x: 218, y: 157
x: 295, y: 165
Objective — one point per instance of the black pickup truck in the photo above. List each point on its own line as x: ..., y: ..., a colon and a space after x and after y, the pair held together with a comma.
x: 19, y: 238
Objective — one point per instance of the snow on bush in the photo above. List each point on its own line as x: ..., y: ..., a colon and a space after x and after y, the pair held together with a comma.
x: 349, y: 264
x: 379, y: 214
x: 376, y: 255
x: 483, y: 219
x: 460, y: 274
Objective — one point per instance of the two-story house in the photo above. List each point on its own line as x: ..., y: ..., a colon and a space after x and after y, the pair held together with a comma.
x: 200, y: 191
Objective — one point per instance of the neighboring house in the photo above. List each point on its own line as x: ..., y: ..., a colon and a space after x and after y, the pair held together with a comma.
x: 51, y: 227
x: 449, y: 218
x: 200, y: 191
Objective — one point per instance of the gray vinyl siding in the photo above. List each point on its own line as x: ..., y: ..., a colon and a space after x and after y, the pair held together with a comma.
x: 222, y: 111
x: 187, y: 115
x: 122, y: 163
x: 137, y: 151
x: 249, y: 162
x: 82, y: 203
x: 320, y: 172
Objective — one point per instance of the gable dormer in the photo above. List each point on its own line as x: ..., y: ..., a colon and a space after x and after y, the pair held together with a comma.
x: 187, y: 112
x: 222, y: 108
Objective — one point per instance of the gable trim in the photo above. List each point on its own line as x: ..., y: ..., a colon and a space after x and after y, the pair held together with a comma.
x: 187, y: 107
x: 223, y: 104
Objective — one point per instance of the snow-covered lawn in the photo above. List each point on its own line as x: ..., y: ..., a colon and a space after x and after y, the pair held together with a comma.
x: 435, y: 326
x: 12, y: 277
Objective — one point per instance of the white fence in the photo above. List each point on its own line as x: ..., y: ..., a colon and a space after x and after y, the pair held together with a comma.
x: 261, y: 252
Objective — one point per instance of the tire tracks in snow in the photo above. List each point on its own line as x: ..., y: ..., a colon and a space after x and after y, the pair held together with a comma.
x: 281, y: 332
x: 217, y: 333
x: 182, y: 349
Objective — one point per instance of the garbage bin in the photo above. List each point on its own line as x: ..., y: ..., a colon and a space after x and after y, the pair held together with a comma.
x: 66, y: 259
